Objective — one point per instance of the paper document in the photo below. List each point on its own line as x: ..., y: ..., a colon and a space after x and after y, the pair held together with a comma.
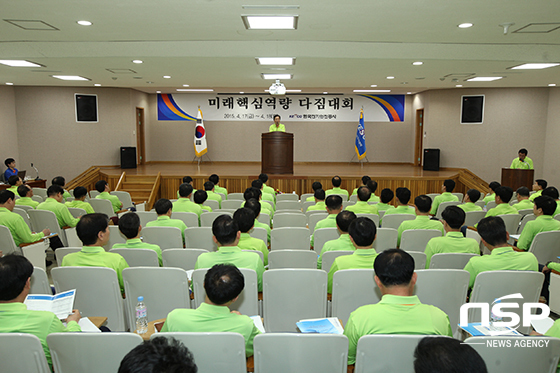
x: 514, y: 236
x: 542, y: 326
x: 60, y: 304
x: 87, y: 326
x: 329, y: 325
x: 476, y: 329
x: 258, y: 323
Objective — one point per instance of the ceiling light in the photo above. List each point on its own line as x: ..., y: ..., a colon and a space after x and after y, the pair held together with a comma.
x: 20, y: 63
x: 186, y: 85
x: 550, y: 85
x: 167, y: 77
x: 373, y: 85
x: 194, y: 90
x: 371, y: 90
x: 287, y: 90
x: 390, y: 77
x: 241, y: 93
x: 276, y: 76
x: 69, y: 77
x: 484, y: 79
x: 97, y: 85
x: 418, y: 63
x: 465, y: 25
x: 9, y: 83
x: 275, y: 60
x: 408, y: 93
x: 325, y: 93
x: 84, y: 23
x: 534, y: 66
x: 158, y: 91
x: 270, y: 22
x: 137, y: 61
x: 459, y: 85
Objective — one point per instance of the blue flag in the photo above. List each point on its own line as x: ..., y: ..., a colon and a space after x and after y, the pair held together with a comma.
x: 361, y: 138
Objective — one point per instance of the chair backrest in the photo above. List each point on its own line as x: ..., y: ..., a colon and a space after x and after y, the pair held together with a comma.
x: 524, y: 220
x: 330, y: 256
x: 353, y: 288
x: 90, y: 352
x: 41, y: 192
x: 281, y: 352
x: 512, y: 222
x: 279, y: 259
x: 374, y: 217
x: 93, y: 194
x: 288, y: 205
x: 473, y: 217
x: 323, y: 235
x: 353, y: 198
x: 21, y: 352
x: 248, y: 301
x: 41, y: 219
x: 77, y: 212
x: 124, y: 197
x: 395, y: 220
x: 546, y: 246
x: 181, y: 258
x: 203, y: 346
x: 305, y: 205
x: 524, y: 212
x: 189, y: 218
x: 386, y: 239
x: 163, y: 289
x: 40, y: 282
x: 38, y: 199
x: 259, y: 233
x: 313, y: 217
x: 164, y: 237
x: 207, y: 219
x: 450, y: 260
x: 443, y: 205
x: 492, y: 285
x: 23, y: 207
x: 97, y: 292
x: 114, y: 237
x: 289, y: 238
x: 146, y: 217
x: 259, y: 253
x: 480, y: 203
x: 286, y: 301
x: 23, y: 214
x: 286, y: 197
x: 557, y: 216
x: 264, y: 218
x: 490, y: 205
x: 283, y: 219
x: 201, y: 238
x: 138, y: 257
x: 444, y: 288
x: 304, y: 196
x: 419, y: 259
x: 61, y: 252
x: 417, y: 239
x: 433, y: 195
x: 103, y: 206
x: 213, y: 204
x: 459, y: 196
x: 236, y: 196
x: 517, y: 357
x: 232, y: 204
x: 7, y: 241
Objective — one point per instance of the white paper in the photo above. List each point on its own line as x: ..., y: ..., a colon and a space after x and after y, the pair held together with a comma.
x: 189, y: 274
x: 542, y: 326
x: 60, y: 304
x: 257, y: 320
x: 515, y: 236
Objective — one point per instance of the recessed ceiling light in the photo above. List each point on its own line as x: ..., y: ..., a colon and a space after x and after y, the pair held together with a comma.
x: 465, y: 25
x: 97, y: 85
x: 276, y: 60
x: 373, y: 85
x: 20, y: 63
x: 484, y: 79
x: 371, y: 90
x: 84, y: 23
x: 408, y: 93
x: 69, y: 77
x: 270, y: 22
x: 390, y: 77
x: 241, y: 93
x: 325, y: 93
x: 534, y: 66
x: 550, y: 85
x: 194, y: 90
x: 458, y: 85
x: 167, y: 77
x: 158, y: 91
x: 288, y: 90
x: 418, y: 63
x: 186, y: 85
x: 9, y: 83
x: 276, y: 76
x: 137, y: 61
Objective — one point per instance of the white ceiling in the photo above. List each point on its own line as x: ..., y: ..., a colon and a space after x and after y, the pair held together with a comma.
x: 339, y: 46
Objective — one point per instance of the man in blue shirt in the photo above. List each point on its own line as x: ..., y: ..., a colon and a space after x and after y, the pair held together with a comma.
x: 12, y: 170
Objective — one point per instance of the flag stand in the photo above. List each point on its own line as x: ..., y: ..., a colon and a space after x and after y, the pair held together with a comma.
x: 361, y: 161
x: 199, y: 159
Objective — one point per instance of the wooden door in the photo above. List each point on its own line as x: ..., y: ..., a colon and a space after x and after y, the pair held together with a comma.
x: 140, y: 141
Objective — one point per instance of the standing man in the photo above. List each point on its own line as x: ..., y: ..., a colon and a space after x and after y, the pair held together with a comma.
x: 277, y: 126
x: 523, y: 162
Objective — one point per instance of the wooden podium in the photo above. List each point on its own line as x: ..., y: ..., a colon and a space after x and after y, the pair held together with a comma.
x: 517, y: 178
x: 277, y: 152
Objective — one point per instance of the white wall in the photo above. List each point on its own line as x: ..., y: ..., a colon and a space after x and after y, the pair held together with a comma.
x: 551, y: 169
x: 8, y: 127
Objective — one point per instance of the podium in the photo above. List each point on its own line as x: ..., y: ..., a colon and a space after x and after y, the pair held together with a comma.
x: 517, y: 178
x: 277, y: 153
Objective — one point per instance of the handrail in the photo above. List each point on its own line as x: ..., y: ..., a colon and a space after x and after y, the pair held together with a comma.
x: 471, y: 181
x: 154, y: 193
x: 89, y: 176
x: 121, y: 179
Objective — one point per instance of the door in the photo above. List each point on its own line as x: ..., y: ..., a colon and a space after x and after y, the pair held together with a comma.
x: 419, y: 137
x: 140, y: 142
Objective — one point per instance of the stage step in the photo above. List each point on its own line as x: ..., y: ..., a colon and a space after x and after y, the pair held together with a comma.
x: 139, y: 187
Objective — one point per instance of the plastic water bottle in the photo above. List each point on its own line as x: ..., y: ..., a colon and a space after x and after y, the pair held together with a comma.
x: 141, y: 316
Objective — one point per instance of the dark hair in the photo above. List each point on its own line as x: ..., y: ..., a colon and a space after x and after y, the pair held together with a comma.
x: 454, y: 216
x: 54, y: 189
x: 474, y: 195
x: 162, y: 206
x: 223, y: 283
x: 245, y: 219
x: 214, y: 178
x: 365, y: 179
x: 523, y: 151
x: 394, y: 267
x: 129, y: 224
x: 447, y: 355
x: 343, y: 220
x: 542, y: 183
x: 200, y: 196
x: 90, y: 225
x: 253, y: 205
x: 386, y: 195
x: 363, y: 231
x: 59, y: 180
x: 187, y: 179
x: 403, y: 195
x: 225, y: 229
x: 12, y: 180
x: 263, y: 178
x: 5, y: 195
x: 550, y: 191
x: 257, y: 184
x: 100, y: 186
x: 15, y: 270
x: 316, y: 185
x: 364, y: 193
x: 423, y: 203
x: 319, y: 194
x: 208, y: 185
x: 493, y: 230
x: 161, y: 355
x: 493, y: 185
x: 251, y: 193
x: 372, y: 185
x: 547, y: 204
x: 449, y: 185
x: 505, y: 193
x: 336, y: 181
x: 275, y: 115
x: 79, y: 192
x: 524, y: 191
x: 185, y: 190
x: 333, y: 202
x: 23, y: 189
x: 8, y: 161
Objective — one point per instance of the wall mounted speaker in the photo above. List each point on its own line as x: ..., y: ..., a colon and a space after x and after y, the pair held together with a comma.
x: 86, y: 108
x: 472, y: 109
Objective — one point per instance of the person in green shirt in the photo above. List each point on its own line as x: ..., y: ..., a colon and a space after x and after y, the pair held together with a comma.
x: 14, y: 222
x: 343, y: 242
x: 372, y: 185
x: 218, y: 189
x: 492, y: 231
x: 543, y: 209
x: 25, y: 194
x: 503, y: 196
x: 184, y: 203
x: 336, y: 189
x: 445, y: 196
x: 255, y: 193
x: 551, y: 192
x: 14, y: 182
x: 538, y: 187
x: 264, y: 196
x: 315, y: 186
x: 266, y: 188
x: 362, y: 233
x: 362, y: 206
x: 54, y: 203
x: 164, y: 209
x: 223, y: 283
x: 385, y: 197
x: 187, y: 180
x: 80, y: 195
x: 153, y: 354
x: 523, y: 202
x: 522, y: 162
x: 493, y: 185
x: 422, y: 205
x: 61, y: 181
x: 15, y: 284
x: 276, y: 126
x: 245, y: 219
x: 102, y: 187
x: 365, y: 180
x: 471, y: 197
x: 200, y: 196
x: 254, y: 205
x: 453, y: 219
x: 319, y: 201
x: 129, y: 226
x: 403, y: 197
x: 334, y: 207
x: 209, y: 188
x: 399, y: 311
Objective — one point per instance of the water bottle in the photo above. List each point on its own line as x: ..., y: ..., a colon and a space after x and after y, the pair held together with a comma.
x: 493, y: 317
x: 141, y: 317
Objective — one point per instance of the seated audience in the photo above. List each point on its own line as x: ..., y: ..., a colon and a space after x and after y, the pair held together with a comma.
x: 503, y: 196
x: 209, y: 188
x: 362, y: 206
x: 403, y: 197
x: 129, y: 226
x: 385, y: 197
x: 523, y: 202
x: 334, y: 206
x: 245, y: 219
x: 11, y: 168
x: 471, y: 197
x: 102, y: 187
x: 372, y: 185
x: 365, y: 180
x: 14, y: 182
x: 552, y: 192
x: 218, y: 189
x: 257, y: 184
x: 422, y: 206
x: 255, y: 206
x: 256, y: 193
x: 200, y: 196
x: 164, y: 209
x: 538, y: 187
x: 493, y: 185
x: 60, y: 181
x: 336, y: 189
x: 162, y: 355
x: 14, y: 222
x: 447, y: 355
x: 315, y: 186
x: 266, y: 188
x: 445, y: 196
x: 343, y: 242
x: 80, y: 195
x: 543, y: 209
x: 320, y: 204
x: 186, y: 180
x: 54, y: 203
x: 184, y: 203
x: 25, y: 194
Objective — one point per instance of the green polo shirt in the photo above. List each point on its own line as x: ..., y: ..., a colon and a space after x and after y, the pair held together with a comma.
x: 502, y: 209
x: 81, y: 205
x: 61, y: 211
x: 18, y: 228
x: 246, y: 242
x: 215, y: 197
x: 524, y: 204
x: 361, y: 258
x: 362, y: 207
x: 319, y: 206
x: 96, y: 256
x: 136, y: 243
x: 207, y: 208
x: 421, y: 222
x: 535, y: 195
x: 66, y: 194
x: 443, y: 197
x: 268, y: 197
x: 27, y: 201
x: 258, y: 224
x: 328, y: 222
x: 453, y: 242
x: 115, y: 201
x: 557, y: 208
x: 280, y: 128
x: 384, y: 206
x: 470, y: 206
x: 13, y: 189
x: 265, y: 207
x: 16, y: 318
x: 501, y: 259
x: 401, y: 210
x: 395, y: 315
x: 342, y: 243
x: 527, y: 164
x: 186, y: 205
x: 543, y: 223
x: 554, y: 331
x: 310, y: 199
x: 268, y: 189
x: 166, y: 221
x: 489, y: 198
x: 337, y: 191
x: 232, y: 255
x: 209, y: 318
x: 219, y: 189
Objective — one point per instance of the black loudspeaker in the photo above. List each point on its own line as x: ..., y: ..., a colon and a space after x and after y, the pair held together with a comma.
x: 86, y: 108
x: 128, y: 157
x: 431, y: 159
x: 472, y: 109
